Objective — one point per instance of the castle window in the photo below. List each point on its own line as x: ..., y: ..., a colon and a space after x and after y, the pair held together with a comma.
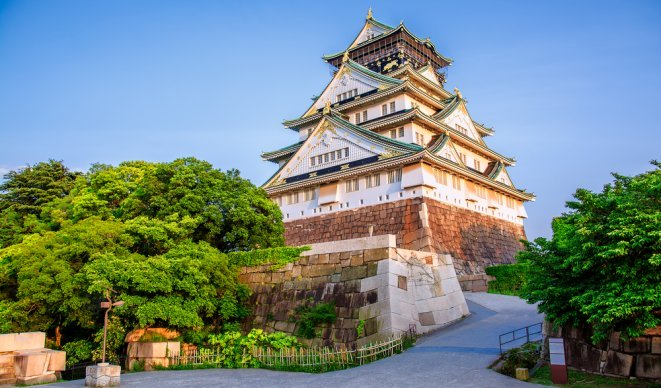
x: 456, y: 182
x: 292, y: 198
x: 395, y: 175
x: 481, y: 191
x: 364, y: 115
x: 339, y: 98
x: 420, y: 139
x: 310, y: 194
x: 511, y: 203
x: 476, y: 163
x: 400, y: 131
x: 346, y: 152
x: 441, y: 176
x: 384, y: 109
x: 462, y: 156
x: 352, y: 185
x: 312, y: 161
x: 357, y: 118
x: 461, y: 129
x: 393, y: 133
x: 326, y: 158
x: 373, y: 180
x: 392, y: 107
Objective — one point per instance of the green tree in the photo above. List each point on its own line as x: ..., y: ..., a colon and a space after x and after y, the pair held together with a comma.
x: 601, y: 267
x: 23, y: 194
x: 155, y: 233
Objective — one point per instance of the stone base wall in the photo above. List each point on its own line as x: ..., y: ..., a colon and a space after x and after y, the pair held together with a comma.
x: 638, y: 357
x: 474, y: 240
x: 368, y: 279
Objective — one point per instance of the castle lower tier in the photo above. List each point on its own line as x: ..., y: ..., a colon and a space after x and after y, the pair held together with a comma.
x: 474, y: 240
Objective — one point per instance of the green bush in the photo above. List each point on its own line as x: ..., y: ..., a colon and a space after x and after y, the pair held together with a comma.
x: 309, y: 317
x: 524, y: 357
x: 235, y: 350
x: 78, y: 351
x: 510, y: 278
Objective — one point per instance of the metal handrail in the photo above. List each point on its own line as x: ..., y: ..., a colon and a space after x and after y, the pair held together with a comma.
x: 530, y: 330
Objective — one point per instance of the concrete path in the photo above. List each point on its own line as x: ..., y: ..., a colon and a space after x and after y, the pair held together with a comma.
x: 456, y: 356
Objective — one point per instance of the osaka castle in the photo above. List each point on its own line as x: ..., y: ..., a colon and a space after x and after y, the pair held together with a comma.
x: 386, y: 149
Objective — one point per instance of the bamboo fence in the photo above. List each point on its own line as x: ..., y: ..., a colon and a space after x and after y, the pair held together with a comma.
x: 314, y: 358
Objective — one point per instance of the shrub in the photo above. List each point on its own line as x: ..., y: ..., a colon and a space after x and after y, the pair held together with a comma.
x: 235, y: 350
x: 309, y: 317
x: 524, y: 357
x: 510, y: 278
x: 78, y: 351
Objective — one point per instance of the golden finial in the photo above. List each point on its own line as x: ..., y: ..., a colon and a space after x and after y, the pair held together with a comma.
x: 369, y: 13
x: 457, y: 92
x: 327, y: 108
x: 346, y: 56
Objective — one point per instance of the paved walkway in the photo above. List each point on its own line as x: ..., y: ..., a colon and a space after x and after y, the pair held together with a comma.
x: 456, y: 356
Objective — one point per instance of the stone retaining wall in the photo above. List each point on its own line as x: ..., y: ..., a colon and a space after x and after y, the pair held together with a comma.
x: 474, y: 240
x: 638, y: 357
x: 368, y: 280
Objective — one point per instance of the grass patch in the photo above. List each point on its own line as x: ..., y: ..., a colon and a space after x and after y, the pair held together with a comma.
x: 583, y: 379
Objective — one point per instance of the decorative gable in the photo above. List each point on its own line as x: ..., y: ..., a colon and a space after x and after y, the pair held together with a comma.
x: 335, y: 143
x: 461, y: 121
x: 430, y: 74
x: 350, y: 81
x: 448, y: 152
x: 369, y: 31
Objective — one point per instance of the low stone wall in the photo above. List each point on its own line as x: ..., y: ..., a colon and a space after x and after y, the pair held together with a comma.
x: 638, y: 357
x: 369, y: 280
x: 24, y: 359
x: 474, y: 240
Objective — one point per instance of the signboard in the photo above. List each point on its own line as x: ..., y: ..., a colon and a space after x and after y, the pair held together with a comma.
x: 558, y: 361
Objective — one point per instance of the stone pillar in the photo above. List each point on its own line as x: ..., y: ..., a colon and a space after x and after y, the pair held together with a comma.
x: 102, y: 375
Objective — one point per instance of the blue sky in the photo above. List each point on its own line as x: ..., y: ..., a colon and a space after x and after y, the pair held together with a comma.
x: 572, y: 88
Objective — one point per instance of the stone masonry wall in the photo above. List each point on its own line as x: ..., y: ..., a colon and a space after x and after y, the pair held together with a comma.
x: 368, y: 280
x: 474, y: 240
x: 638, y: 357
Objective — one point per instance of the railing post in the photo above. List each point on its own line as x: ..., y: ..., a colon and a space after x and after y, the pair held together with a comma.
x: 527, y: 334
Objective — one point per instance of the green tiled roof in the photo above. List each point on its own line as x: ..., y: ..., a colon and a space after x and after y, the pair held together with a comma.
x: 290, y: 149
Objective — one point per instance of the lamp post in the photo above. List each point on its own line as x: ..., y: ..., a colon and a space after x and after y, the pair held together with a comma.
x: 108, y: 306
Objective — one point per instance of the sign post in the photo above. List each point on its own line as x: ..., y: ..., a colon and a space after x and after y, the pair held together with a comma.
x: 558, y: 361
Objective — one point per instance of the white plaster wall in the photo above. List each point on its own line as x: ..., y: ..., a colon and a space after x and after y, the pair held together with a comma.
x: 432, y: 291
x: 394, y: 192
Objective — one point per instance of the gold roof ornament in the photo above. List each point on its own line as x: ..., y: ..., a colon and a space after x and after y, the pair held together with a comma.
x: 369, y: 14
x: 346, y: 56
x: 327, y: 108
x: 457, y: 92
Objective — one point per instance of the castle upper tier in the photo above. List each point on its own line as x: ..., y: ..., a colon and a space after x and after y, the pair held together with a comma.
x: 384, y: 134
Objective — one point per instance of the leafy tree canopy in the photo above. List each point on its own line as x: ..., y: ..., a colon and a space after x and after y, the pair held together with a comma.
x: 603, y: 265
x: 157, y: 234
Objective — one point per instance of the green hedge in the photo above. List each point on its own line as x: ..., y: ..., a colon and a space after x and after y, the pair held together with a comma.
x: 510, y: 278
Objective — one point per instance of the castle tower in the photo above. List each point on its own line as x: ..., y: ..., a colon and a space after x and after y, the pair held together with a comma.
x: 385, y: 149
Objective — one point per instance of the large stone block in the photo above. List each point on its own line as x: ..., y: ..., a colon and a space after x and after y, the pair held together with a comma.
x: 30, y: 363
x: 32, y: 340
x: 618, y: 364
x: 656, y: 345
x: 637, y: 345
x: 57, y: 361
x: 648, y: 366
x: 7, y: 342
x: 351, y: 273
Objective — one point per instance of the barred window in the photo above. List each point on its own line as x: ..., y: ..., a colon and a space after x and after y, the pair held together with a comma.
x: 352, y: 185
x: 373, y: 180
x: 395, y: 175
